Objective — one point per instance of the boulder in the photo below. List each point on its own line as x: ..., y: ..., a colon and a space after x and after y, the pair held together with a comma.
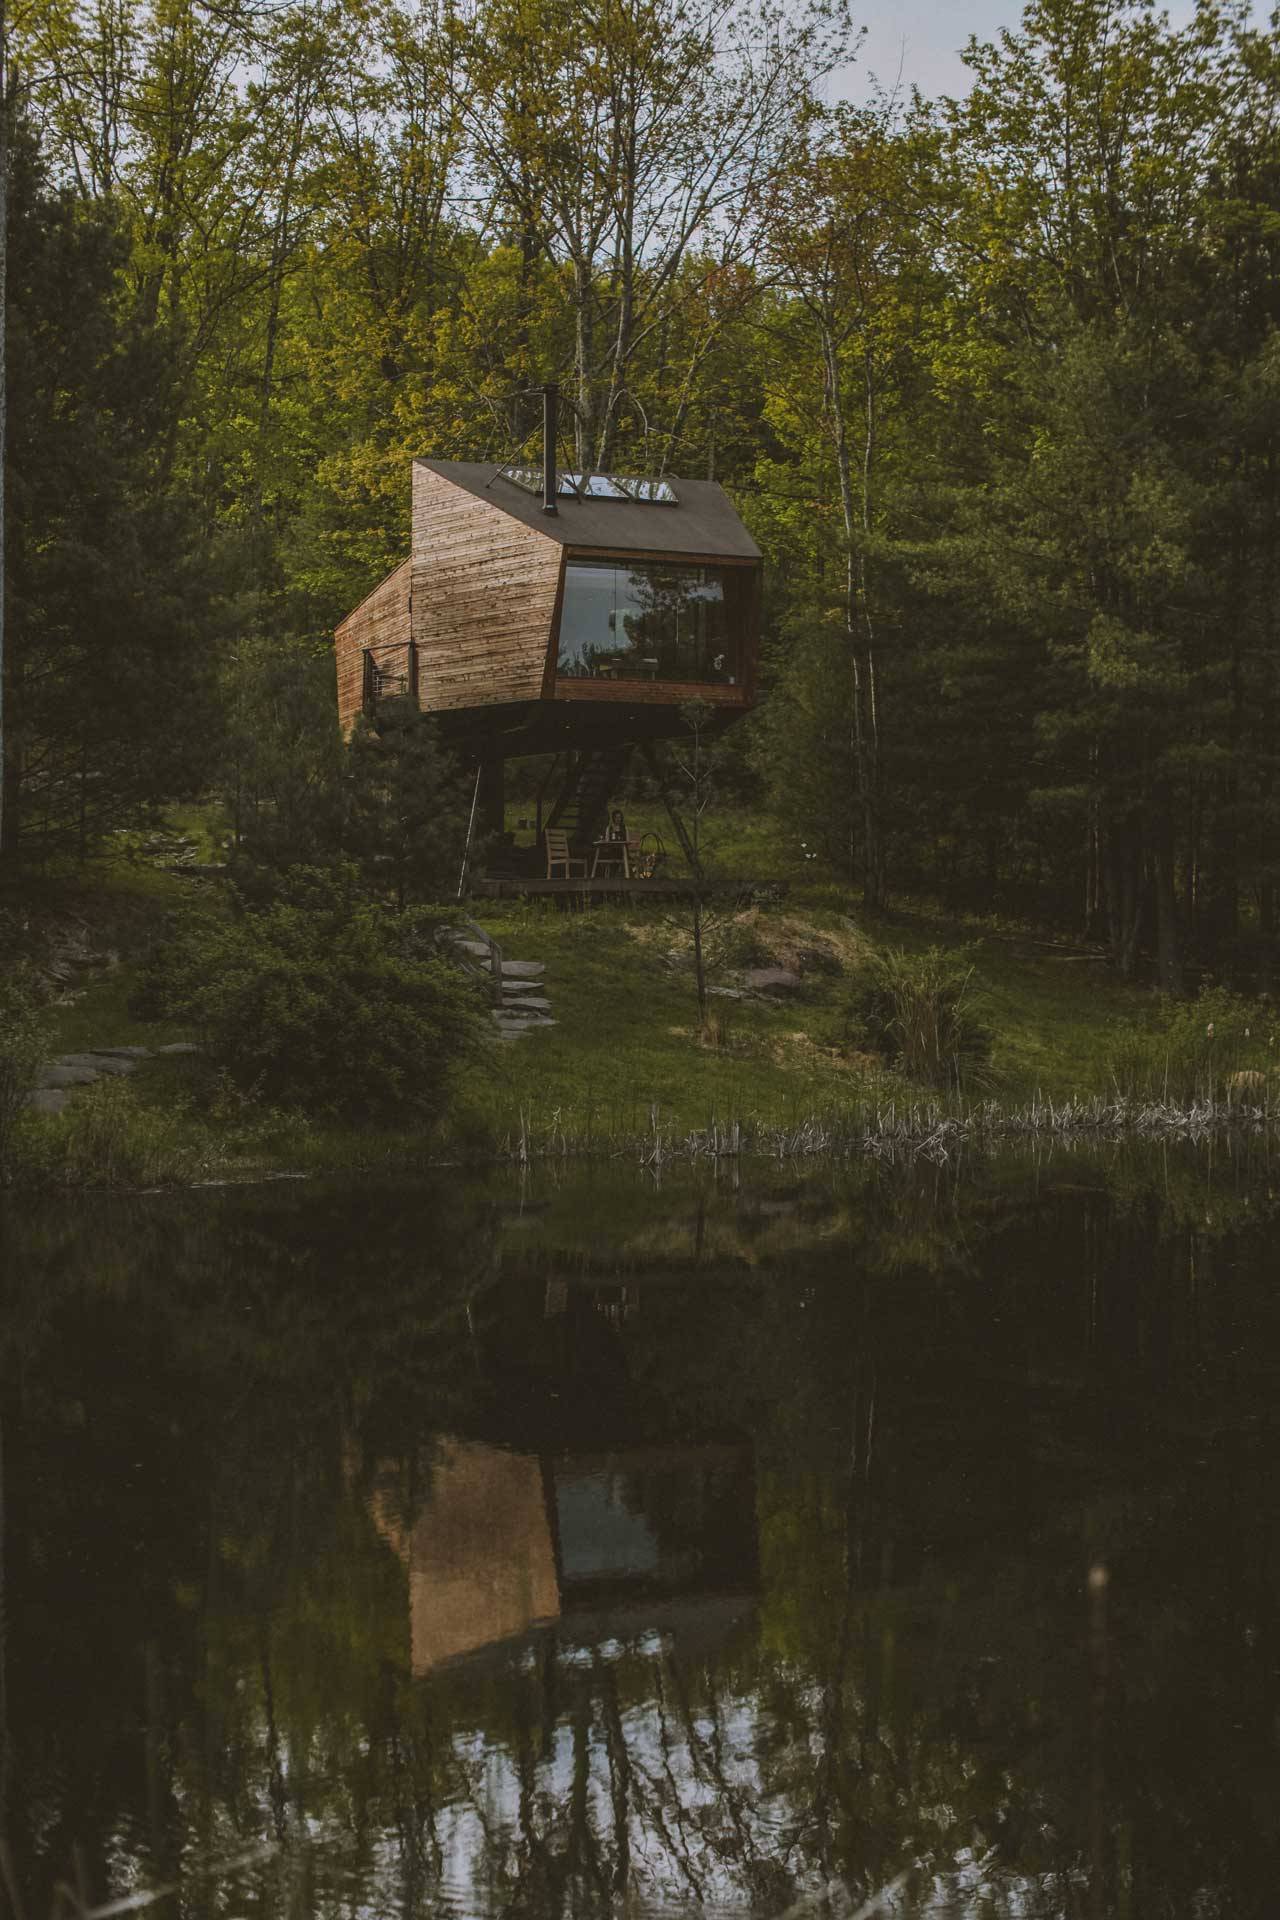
x: 819, y: 959
x: 779, y: 981
x: 71, y: 1071
x: 523, y: 969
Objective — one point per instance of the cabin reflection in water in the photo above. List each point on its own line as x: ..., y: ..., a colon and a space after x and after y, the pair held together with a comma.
x: 480, y: 1558
x: 504, y: 1543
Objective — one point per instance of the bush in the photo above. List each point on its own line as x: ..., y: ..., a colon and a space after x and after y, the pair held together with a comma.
x: 22, y: 1048
x: 923, y: 1014
x: 322, y: 1001
x: 1190, y: 1050
x: 108, y: 1138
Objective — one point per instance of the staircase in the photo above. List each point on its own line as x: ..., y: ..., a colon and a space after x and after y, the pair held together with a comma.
x: 582, y: 805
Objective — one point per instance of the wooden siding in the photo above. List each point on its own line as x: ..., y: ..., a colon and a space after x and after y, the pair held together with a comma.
x: 485, y: 592
x: 381, y: 624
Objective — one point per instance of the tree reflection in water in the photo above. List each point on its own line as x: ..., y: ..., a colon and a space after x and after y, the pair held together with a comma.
x: 494, y: 1550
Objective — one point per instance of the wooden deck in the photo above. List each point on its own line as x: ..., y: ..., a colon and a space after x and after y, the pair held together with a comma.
x: 604, y: 886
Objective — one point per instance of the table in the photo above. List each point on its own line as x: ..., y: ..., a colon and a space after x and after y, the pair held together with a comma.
x: 614, y: 854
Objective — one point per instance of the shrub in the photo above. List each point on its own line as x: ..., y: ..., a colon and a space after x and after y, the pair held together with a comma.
x: 22, y: 1048
x: 323, y: 1001
x: 108, y: 1138
x: 1193, y: 1049
x: 923, y: 1014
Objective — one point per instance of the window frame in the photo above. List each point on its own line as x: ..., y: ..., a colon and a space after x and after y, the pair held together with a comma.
x: 741, y: 692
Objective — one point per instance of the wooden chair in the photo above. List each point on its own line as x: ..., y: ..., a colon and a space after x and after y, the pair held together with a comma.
x: 558, y: 854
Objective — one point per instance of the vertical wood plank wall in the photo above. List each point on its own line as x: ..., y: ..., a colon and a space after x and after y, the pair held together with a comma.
x: 484, y: 599
x: 380, y: 623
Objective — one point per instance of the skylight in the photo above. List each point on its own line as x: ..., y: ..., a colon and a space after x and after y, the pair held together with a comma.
x: 598, y: 486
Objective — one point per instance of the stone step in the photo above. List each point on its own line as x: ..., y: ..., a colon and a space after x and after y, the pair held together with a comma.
x: 71, y: 1072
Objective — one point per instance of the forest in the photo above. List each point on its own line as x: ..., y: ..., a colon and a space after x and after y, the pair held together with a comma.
x: 994, y: 380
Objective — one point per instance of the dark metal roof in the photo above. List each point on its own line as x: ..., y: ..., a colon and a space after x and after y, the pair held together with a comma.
x: 704, y: 520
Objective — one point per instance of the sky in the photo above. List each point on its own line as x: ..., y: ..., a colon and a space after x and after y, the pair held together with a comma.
x: 922, y: 40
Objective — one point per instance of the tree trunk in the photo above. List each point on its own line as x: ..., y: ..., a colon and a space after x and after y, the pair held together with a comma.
x: 861, y: 669
x: 1168, y: 935
x: 582, y: 352
x: 1124, y: 896
x: 6, y: 824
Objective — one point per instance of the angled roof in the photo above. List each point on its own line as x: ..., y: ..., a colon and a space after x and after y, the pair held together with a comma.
x: 703, y: 521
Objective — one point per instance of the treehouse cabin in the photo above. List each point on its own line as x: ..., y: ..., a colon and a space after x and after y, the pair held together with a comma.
x: 558, y: 613
x: 527, y: 629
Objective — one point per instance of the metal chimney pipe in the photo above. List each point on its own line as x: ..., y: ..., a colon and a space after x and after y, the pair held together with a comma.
x: 550, y: 433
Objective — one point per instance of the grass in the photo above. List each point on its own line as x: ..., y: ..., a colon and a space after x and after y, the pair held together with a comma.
x: 626, y: 1042
x: 626, y: 1061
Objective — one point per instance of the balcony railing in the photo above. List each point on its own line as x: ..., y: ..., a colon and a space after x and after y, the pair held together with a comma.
x: 390, y: 673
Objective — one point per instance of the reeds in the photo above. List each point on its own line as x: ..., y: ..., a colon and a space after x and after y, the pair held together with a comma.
x: 930, y: 1129
x: 925, y: 1013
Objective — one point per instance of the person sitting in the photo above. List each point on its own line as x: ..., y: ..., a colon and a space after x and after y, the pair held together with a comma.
x: 617, y: 827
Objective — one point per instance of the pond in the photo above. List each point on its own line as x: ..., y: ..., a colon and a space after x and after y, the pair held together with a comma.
x: 889, y: 1539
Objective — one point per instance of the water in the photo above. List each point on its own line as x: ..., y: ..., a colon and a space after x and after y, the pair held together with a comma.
x: 904, y: 1540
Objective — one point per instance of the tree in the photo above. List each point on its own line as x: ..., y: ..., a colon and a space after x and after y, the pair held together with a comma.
x: 407, y: 812
x: 626, y: 143
x: 110, y: 633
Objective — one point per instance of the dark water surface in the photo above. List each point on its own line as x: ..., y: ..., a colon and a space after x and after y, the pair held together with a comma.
x: 897, y: 1540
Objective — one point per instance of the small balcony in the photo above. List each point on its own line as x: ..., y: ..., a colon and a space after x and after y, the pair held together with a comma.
x: 390, y: 673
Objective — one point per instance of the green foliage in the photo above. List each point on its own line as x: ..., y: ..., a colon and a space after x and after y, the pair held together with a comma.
x: 282, y: 775
x: 1219, y: 1046
x: 111, y: 601
x: 323, y: 1000
x: 994, y: 380
x: 407, y: 808
x: 389, y: 803
x: 107, y: 1136
x: 23, y: 1046
x: 923, y: 1014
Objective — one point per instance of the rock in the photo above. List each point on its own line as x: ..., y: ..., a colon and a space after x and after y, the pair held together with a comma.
x: 521, y: 986
x: 727, y: 993
x: 479, y: 948
x: 120, y: 1053
x: 523, y: 969
x: 47, y: 1100
x: 530, y: 1003
x: 114, y: 1069
x: 70, y: 1072
x: 772, y: 980
x: 177, y: 1047
x: 819, y: 960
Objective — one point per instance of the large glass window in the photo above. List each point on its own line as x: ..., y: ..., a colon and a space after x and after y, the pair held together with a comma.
x: 646, y: 620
